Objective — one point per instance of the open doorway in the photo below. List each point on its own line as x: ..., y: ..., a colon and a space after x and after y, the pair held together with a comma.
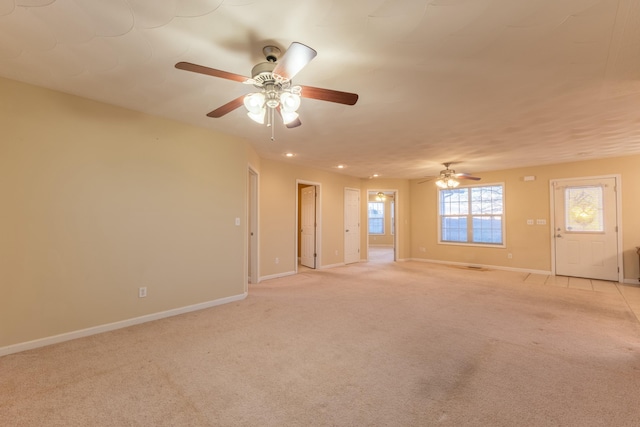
x: 381, y: 225
x: 307, y: 225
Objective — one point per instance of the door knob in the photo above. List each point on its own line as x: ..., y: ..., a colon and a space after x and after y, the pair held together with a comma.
x: 558, y: 235
x: 347, y: 231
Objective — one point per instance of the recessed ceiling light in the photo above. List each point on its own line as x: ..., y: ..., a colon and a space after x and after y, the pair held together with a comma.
x: 289, y: 155
x: 341, y: 166
x: 375, y: 175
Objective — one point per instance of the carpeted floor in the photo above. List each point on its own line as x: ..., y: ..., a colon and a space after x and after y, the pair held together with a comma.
x: 370, y: 344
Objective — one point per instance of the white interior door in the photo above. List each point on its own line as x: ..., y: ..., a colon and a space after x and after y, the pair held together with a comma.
x: 586, y: 228
x: 308, y: 227
x: 351, y: 225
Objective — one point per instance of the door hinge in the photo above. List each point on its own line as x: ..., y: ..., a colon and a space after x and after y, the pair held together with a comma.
x: 315, y: 255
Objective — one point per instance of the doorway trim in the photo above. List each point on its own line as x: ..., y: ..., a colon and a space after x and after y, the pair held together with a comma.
x: 618, y: 195
x: 253, y: 212
x: 318, y: 228
x: 396, y: 224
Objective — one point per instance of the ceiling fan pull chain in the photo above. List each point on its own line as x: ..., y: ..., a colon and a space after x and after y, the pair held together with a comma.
x: 273, y: 128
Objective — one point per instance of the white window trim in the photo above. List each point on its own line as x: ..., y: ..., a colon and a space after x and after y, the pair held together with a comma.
x: 483, y: 245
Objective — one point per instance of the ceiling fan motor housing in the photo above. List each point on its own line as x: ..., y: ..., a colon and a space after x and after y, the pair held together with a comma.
x: 262, y: 74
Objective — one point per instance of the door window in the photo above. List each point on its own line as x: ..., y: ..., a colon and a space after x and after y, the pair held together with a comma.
x: 584, y: 209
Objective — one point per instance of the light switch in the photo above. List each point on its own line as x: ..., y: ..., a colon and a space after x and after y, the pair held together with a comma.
x: 529, y: 222
x: 237, y: 221
x: 541, y: 221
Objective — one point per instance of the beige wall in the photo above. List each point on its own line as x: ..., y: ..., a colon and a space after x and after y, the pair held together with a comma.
x: 98, y: 201
x: 529, y: 245
x: 278, y: 211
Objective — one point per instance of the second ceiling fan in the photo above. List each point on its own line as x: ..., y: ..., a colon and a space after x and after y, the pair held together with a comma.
x: 276, y: 93
x: 448, y: 178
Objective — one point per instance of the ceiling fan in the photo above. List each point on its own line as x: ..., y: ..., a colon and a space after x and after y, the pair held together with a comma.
x: 448, y: 178
x: 275, y: 90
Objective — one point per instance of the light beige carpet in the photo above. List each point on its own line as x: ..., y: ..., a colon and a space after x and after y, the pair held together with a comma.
x: 375, y: 344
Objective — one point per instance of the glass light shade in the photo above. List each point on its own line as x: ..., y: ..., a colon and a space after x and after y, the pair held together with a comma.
x: 447, y: 183
x: 254, y: 103
x: 257, y: 117
x: 288, y: 116
x: 289, y: 102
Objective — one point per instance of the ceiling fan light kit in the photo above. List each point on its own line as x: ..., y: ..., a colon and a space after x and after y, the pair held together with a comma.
x: 276, y: 93
x: 447, y: 183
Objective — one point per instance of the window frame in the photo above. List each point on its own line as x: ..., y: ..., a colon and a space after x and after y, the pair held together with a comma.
x: 470, y: 215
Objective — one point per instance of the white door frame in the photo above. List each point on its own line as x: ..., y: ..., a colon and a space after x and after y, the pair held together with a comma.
x: 318, y: 222
x: 552, y: 228
x: 252, y: 227
x: 308, y: 224
x: 396, y: 229
x: 346, y: 230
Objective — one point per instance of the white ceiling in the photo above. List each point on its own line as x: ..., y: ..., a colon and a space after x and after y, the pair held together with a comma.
x: 488, y: 84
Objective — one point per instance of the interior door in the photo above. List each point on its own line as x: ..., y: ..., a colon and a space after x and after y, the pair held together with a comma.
x: 308, y: 226
x: 586, y: 228
x: 351, y: 225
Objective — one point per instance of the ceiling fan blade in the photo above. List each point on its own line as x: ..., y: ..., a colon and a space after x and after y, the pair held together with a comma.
x: 294, y: 60
x: 466, y: 176
x: 427, y: 179
x: 329, y: 95
x: 201, y: 69
x: 227, y: 108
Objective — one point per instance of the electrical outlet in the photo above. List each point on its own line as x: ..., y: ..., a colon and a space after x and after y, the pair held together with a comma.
x: 510, y: 256
x: 142, y: 292
x: 277, y: 260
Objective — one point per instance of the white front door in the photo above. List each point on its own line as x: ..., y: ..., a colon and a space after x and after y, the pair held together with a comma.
x: 308, y: 227
x: 586, y: 228
x: 351, y: 225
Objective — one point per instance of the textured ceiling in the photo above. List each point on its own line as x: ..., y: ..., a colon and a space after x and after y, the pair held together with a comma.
x: 488, y: 84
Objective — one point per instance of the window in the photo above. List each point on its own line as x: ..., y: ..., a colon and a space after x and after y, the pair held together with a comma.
x: 376, y: 218
x: 472, y: 215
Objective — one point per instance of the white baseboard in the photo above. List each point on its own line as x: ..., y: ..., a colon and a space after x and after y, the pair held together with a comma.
x: 494, y: 267
x: 29, y: 345
x: 632, y: 282
x: 277, y: 275
x: 340, y: 264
